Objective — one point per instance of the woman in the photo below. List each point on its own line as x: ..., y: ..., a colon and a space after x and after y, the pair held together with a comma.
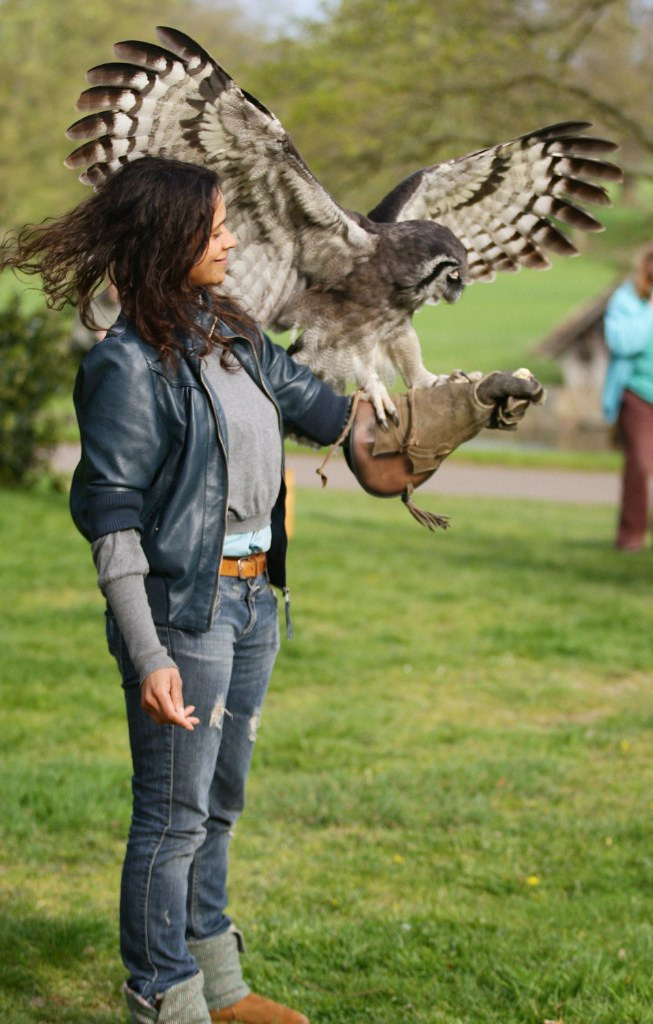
x: 180, y: 492
x: 628, y: 395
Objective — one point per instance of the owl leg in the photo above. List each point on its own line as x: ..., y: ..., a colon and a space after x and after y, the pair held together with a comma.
x: 423, y: 379
x: 405, y: 352
x: 375, y: 391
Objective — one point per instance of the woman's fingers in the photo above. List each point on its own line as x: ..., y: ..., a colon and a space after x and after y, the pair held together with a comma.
x: 162, y: 699
x: 188, y: 711
x: 170, y: 711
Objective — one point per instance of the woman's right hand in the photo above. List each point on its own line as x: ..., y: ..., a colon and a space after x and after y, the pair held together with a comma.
x: 161, y: 698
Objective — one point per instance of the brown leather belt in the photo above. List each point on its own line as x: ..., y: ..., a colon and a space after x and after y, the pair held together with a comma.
x: 244, y: 568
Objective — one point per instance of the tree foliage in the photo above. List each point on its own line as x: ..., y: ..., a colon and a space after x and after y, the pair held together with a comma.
x: 370, y: 92
x: 46, y: 48
x: 383, y: 87
x: 35, y: 366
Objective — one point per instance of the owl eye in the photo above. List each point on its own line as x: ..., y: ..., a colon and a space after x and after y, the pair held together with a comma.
x: 447, y: 267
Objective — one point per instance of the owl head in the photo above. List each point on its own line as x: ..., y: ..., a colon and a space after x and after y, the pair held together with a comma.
x: 425, y: 261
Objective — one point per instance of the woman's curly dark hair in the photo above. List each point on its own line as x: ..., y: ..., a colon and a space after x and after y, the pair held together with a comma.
x: 144, y: 229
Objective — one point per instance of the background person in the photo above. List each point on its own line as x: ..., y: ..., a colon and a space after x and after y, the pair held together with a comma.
x: 628, y: 394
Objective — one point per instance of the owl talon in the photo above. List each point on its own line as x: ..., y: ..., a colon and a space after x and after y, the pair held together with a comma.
x: 382, y: 404
x: 379, y: 412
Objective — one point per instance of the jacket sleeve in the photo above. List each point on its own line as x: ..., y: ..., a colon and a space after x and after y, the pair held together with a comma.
x: 309, y: 405
x: 123, y: 439
x: 628, y: 323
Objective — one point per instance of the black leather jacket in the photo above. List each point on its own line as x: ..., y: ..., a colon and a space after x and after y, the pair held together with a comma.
x: 154, y: 459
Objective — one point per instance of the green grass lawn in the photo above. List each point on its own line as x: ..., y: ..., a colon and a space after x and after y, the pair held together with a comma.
x: 450, y: 806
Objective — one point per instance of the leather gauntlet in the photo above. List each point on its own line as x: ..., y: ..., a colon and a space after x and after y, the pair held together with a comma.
x: 431, y: 423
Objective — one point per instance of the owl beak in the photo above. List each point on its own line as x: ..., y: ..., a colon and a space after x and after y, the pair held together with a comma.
x: 453, y: 286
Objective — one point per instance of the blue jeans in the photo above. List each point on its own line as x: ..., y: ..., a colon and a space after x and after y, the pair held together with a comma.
x: 189, y: 787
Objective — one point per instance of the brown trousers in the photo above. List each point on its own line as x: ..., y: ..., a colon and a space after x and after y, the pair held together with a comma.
x: 636, y: 430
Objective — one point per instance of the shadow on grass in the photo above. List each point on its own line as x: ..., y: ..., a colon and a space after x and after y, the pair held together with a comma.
x: 56, y: 969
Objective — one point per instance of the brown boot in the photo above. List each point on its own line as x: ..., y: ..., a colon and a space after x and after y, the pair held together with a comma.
x: 255, y: 1009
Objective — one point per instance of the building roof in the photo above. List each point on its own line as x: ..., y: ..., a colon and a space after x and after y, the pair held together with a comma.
x: 574, y: 329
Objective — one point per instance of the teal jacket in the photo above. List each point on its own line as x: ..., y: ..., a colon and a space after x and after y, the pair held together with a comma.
x: 628, y: 329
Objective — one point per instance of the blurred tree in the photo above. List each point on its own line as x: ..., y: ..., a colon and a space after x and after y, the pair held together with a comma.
x: 370, y: 92
x: 386, y: 86
x: 35, y: 367
x: 46, y: 49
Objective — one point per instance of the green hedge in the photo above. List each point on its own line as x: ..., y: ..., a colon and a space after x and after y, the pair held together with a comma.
x: 36, y: 365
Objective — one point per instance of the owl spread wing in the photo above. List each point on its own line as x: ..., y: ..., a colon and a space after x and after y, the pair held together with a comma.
x: 178, y: 102
x: 500, y: 201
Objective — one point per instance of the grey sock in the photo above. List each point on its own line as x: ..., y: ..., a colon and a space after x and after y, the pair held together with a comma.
x: 181, y: 1004
x: 219, y: 960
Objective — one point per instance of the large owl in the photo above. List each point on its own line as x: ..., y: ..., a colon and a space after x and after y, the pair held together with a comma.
x: 345, y: 283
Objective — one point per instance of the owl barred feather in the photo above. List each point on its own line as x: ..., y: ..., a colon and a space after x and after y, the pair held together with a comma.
x: 349, y: 283
x: 518, y: 185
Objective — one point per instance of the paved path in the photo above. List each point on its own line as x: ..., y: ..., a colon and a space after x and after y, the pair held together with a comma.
x: 460, y: 478
x: 456, y: 478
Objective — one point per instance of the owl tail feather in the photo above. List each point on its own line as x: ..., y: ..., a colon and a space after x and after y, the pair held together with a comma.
x: 431, y: 520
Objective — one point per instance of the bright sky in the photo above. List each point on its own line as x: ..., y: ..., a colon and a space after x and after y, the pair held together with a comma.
x: 279, y: 12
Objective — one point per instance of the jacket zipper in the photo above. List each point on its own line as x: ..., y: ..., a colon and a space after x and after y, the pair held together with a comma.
x: 216, y: 585
x: 266, y: 391
x: 285, y: 590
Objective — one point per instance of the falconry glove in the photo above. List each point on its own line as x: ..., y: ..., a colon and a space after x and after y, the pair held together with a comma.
x: 431, y: 423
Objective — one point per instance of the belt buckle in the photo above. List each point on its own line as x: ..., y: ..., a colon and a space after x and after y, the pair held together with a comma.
x: 243, y: 558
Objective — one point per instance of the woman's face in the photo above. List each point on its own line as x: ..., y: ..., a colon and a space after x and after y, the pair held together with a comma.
x: 212, y: 267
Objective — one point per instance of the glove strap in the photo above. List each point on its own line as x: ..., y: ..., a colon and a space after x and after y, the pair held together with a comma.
x: 431, y: 520
x: 356, y: 397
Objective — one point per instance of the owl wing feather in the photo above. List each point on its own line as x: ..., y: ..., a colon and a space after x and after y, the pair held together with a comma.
x: 500, y: 201
x: 178, y: 102
x: 303, y: 260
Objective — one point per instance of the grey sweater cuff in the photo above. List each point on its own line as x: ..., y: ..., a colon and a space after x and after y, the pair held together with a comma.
x: 122, y: 567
